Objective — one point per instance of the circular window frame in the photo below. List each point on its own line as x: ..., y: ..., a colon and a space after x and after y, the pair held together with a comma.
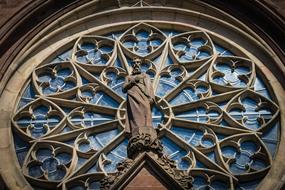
x: 10, y: 96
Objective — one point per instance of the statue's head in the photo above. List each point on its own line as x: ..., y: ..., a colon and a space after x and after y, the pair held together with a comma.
x: 136, y: 66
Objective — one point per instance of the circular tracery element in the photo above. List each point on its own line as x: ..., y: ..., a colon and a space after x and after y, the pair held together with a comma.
x: 214, y: 114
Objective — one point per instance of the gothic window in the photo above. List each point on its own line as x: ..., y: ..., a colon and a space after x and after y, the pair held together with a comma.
x: 216, y: 115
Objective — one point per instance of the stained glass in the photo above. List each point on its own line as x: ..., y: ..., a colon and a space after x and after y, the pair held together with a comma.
x: 215, y: 115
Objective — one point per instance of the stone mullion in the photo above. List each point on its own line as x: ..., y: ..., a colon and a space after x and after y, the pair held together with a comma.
x: 91, y: 162
x: 74, y: 133
x: 198, y: 72
x: 71, y: 103
x: 265, y: 126
x: 122, y: 56
x: 228, y: 131
x: 245, y: 137
x: 217, y: 98
x: 214, y: 127
x: 161, y: 64
x: 197, y: 153
x: 104, y: 86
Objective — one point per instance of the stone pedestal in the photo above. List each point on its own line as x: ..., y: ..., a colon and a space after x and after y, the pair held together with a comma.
x: 145, y: 140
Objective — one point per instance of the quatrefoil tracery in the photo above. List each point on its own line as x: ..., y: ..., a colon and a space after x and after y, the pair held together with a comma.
x: 205, y: 104
x: 93, y: 50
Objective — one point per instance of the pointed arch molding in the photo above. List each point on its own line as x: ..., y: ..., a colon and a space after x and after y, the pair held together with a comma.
x: 75, y: 22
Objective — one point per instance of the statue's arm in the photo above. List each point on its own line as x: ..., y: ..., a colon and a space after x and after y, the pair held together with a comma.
x: 128, y: 84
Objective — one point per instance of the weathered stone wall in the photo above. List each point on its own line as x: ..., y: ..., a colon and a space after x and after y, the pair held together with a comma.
x: 278, y: 5
x: 10, y: 7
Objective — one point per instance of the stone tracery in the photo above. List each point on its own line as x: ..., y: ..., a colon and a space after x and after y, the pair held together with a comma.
x: 207, y: 105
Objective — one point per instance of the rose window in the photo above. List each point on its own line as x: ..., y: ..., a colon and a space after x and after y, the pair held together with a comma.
x: 214, y: 114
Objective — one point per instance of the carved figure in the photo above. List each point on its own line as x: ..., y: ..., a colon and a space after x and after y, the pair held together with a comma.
x: 140, y: 98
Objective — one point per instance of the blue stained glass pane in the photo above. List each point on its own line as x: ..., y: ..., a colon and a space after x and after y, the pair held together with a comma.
x: 24, y: 121
x: 64, y: 158
x: 157, y: 116
x: 199, y: 164
x: 236, y: 169
x: 156, y: 42
x: 271, y: 138
x: 169, y: 147
x: 80, y: 161
x: 261, y: 88
x: 171, y: 32
x: 65, y: 56
x: 207, y: 143
x: 258, y: 164
x: 144, y: 67
x: 91, y: 118
x: 156, y: 60
x: 106, y: 49
x: 103, y: 99
x: 41, y: 110
x: 190, y: 136
x: 50, y: 164
x: 57, y: 82
x: 249, y: 146
x: 180, y: 46
x: 57, y: 175
x: 197, y: 42
x: 203, y: 54
x: 185, y: 96
x: 174, y: 152
x: 35, y: 171
x: 64, y: 72
x: 21, y: 148
x: 217, y: 184
x: 104, y: 138
x: 222, y: 51
x: 168, y: 61
x: 241, y: 70
x: 199, y: 182
x: 163, y: 87
x: 118, y: 63
x: 180, y: 99
x: 77, y: 187
x: 142, y: 34
x: 88, y: 46
x: 117, y: 155
x: 95, y: 185
x: 84, y: 147
x: 202, y: 77
x: 43, y: 153
x: 199, y: 114
x: 129, y: 44
x: 229, y: 151
x: 82, y: 59
x: 29, y: 92
x: 211, y: 156
x: 252, y: 185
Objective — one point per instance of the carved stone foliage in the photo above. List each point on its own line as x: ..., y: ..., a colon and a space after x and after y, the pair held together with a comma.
x: 216, y: 120
x: 146, y: 141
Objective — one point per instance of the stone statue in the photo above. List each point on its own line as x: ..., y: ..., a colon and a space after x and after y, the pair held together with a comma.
x: 140, y: 98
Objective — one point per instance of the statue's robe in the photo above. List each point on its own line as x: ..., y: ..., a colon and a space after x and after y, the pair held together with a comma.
x: 140, y: 97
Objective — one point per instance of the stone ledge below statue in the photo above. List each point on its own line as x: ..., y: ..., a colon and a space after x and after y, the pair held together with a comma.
x: 144, y: 140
